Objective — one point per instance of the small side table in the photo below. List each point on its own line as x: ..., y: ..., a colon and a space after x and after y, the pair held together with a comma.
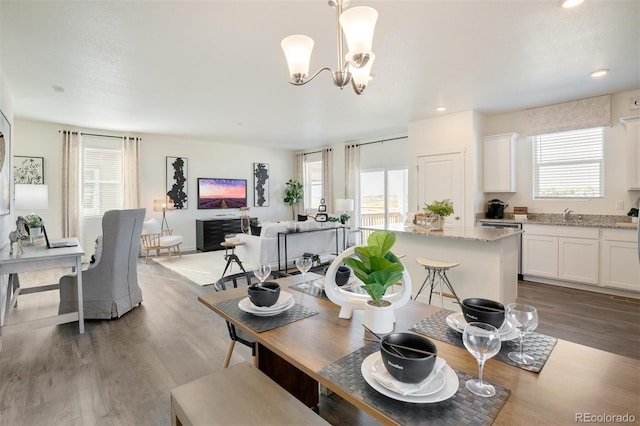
x: 230, y: 255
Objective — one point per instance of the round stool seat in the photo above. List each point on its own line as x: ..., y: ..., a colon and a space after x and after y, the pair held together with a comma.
x: 430, y: 263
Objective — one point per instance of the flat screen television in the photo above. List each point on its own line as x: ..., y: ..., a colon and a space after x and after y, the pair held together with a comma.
x: 215, y: 193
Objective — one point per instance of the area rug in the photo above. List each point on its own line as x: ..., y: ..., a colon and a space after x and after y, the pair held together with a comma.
x: 201, y: 268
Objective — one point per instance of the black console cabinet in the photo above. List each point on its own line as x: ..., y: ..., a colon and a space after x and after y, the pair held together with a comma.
x: 210, y: 233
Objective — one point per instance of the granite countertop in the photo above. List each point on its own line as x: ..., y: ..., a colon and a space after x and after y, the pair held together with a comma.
x: 471, y: 233
x: 586, y: 220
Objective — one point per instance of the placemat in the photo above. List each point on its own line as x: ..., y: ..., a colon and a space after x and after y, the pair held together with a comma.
x: 462, y: 408
x: 260, y: 324
x: 314, y: 290
x: 539, y: 346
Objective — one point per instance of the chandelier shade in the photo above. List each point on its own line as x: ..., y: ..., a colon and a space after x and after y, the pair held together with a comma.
x: 297, y: 49
x: 357, y: 26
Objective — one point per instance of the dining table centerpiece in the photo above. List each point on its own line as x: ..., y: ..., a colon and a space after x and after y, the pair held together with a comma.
x: 375, y: 269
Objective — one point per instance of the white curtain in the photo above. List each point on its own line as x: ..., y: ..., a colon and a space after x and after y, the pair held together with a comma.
x: 299, y: 176
x: 327, y: 178
x: 575, y: 115
x: 352, y: 180
x: 71, y: 184
x: 131, y: 172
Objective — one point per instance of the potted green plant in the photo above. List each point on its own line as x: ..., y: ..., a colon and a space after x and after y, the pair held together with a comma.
x: 439, y: 210
x: 378, y: 269
x: 633, y: 213
x: 34, y: 222
x: 293, y: 192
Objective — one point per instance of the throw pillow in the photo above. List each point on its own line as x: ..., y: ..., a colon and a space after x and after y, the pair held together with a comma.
x: 302, y: 218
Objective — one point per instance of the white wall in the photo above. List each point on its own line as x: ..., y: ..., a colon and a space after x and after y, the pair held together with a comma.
x: 615, y: 159
x: 205, y: 159
x: 445, y: 134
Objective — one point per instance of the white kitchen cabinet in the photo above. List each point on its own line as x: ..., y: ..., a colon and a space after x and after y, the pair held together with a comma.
x: 499, y: 163
x: 619, y: 259
x: 540, y: 255
x: 632, y: 125
x: 578, y: 260
x: 561, y: 252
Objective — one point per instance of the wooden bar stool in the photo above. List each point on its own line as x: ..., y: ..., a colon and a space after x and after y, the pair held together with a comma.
x: 231, y: 257
x: 436, y: 275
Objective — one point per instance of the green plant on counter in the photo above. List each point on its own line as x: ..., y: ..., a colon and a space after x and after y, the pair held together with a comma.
x: 34, y: 221
x: 441, y: 208
x: 376, y: 266
x: 633, y: 212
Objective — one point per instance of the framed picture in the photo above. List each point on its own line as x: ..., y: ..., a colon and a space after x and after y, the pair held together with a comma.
x: 261, y: 184
x: 5, y: 171
x: 177, y: 182
x: 29, y: 170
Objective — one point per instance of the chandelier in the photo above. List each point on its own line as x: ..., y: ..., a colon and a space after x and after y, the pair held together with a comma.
x: 357, y: 25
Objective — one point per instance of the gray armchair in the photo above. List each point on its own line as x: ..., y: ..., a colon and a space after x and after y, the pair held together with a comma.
x: 110, y: 288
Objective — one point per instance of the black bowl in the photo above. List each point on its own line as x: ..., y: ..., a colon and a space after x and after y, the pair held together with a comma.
x: 483, y: 310
x: 342, y: 275
x: 411, y: 367
x: 260, y: 295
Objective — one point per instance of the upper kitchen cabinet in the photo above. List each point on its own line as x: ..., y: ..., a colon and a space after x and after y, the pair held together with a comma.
x: 499, y: 161
x: 632, y: 125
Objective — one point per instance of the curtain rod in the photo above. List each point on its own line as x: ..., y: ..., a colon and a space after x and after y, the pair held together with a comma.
x: 94, y: 134
x: 382, y: 141
x: 315, y: 152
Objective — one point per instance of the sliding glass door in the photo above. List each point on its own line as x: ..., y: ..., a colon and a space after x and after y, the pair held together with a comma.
x: 384, y: 196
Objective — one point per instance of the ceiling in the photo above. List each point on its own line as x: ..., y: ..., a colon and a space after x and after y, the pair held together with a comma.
x: 214, y: 70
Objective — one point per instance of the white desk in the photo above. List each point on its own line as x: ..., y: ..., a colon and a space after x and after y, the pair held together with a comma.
x: 36, y: 257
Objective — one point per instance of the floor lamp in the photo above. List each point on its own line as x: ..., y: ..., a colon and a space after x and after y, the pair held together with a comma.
x: 163, y: 206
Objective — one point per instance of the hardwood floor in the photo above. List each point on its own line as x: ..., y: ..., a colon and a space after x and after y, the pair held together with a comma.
x: 120, y: 372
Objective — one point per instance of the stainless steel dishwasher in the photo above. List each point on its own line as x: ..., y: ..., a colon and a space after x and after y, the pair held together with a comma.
x: 514, y: 225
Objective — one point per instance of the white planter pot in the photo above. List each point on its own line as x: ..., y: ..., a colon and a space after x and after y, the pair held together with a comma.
x: 35, y: 232
x: 379, y: 319
x: 634, y: 219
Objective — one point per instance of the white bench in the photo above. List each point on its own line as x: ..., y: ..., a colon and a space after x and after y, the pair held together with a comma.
x: 239, y: 395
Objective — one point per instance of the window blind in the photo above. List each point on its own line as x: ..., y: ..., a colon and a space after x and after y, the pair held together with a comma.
x: 569, y: 164
x: 102, y: 180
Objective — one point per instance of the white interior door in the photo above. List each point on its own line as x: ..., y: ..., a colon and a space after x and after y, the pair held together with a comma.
x: 441, y: 176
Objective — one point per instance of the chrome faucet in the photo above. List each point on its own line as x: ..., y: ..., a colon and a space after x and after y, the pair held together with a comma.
x: 566, y: 213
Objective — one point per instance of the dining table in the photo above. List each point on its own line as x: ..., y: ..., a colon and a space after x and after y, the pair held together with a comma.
x: 576, y: 384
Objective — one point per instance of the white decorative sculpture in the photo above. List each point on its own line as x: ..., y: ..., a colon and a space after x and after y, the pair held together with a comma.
x: 350, y: 301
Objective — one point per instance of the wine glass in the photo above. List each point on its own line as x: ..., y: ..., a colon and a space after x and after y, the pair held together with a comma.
x: 262, y: 272
x: 483, y: 341
x: 303, y: 264
x: 523, y: 318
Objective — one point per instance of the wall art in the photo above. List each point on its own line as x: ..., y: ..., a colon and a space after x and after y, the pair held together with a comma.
x: 29, y: 170
x: 177, y: 182
x: 261, y: 184
x: 5, y: 164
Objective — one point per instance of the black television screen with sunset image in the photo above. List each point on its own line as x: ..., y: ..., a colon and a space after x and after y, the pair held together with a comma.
x: 215, y: 193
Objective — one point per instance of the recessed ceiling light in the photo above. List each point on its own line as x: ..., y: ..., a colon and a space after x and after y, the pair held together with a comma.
x: 441, y: 108
x: 599, y: 73
x: 57, y: 89
x: 571, y: 3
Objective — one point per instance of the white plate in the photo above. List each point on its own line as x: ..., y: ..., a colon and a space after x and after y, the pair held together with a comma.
x: 450, y: 388
x: 283, y: 299
x: 457, y: 322
x: 435, y: 384
x: 320, y: 283
x: 245, y: 305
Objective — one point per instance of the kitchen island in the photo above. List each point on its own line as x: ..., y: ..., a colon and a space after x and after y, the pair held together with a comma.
x: 488, y: 260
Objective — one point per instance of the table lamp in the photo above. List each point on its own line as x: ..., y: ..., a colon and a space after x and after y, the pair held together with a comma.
x: 344, y: 205
x: 163, y: 206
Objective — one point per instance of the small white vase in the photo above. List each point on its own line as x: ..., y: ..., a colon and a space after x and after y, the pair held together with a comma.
x: 35, y: 232
x: 379, y: 319
x: 634, y: 219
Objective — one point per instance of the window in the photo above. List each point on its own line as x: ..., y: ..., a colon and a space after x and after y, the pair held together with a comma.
x: 312, y: 181
x: 568, y: 164
x: 101, y: 180
x: 383, y: 197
